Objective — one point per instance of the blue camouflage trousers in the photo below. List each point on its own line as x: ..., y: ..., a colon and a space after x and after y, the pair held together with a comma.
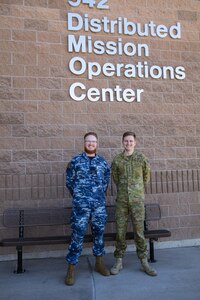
x: 82, y: 214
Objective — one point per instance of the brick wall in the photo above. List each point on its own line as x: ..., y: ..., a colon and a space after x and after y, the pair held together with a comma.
x: 41, y: 127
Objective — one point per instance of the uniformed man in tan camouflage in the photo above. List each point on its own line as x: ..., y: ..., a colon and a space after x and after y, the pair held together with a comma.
x: 130, y: 172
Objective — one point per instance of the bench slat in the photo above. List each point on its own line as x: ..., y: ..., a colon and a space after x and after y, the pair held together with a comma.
x: 25, y: 217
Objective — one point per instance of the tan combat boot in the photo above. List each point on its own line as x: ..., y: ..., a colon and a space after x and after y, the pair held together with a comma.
x: 117, y: 267
x: 100, y: 267
x: 147, y: 268
x: 70, y: 277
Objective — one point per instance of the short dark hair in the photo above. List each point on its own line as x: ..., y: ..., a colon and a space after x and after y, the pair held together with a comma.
x: 127, y: 133
x: 91, y: 133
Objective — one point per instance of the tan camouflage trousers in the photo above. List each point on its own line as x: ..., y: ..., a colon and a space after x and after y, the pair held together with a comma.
x: 134, y: 208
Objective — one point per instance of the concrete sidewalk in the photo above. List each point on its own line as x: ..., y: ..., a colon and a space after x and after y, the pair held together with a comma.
x: 178, y: 278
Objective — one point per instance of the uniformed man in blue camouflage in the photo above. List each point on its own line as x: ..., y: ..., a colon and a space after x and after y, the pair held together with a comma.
x: 87, y: 178
x: 130, y: 172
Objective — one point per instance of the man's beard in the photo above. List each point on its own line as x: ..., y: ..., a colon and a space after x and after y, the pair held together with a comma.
x: 90, y: 151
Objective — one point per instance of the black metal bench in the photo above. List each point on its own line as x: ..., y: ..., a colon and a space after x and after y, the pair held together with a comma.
x: 23, y: 218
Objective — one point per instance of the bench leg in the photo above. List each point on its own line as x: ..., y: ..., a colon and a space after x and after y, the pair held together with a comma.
x: 19, y: 260
x: 151, y: 248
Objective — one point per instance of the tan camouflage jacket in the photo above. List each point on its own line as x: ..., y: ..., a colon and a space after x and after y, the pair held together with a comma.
x: 130, y: 174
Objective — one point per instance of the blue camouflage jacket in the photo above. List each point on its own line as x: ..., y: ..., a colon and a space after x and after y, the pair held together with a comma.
x: 87, y: 178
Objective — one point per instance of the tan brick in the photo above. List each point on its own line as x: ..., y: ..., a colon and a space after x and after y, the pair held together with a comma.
x: 58, y: 71
x: 153, y: 120
x: 187, y: 15
x: 194, y: 46
x: 5, y: 82
x: 189, y: 152
x: 24, y: 106
x: 165, y: 153
x: 195, y: 209
x: 24, y: 82
x: 198, y: 129
x: 5, y: 156
x: 23, y: 12
x: 12, y: 168
x: 176, y: 164
x: 192, y: 141
x: 42, y: 3
x: 179, y: 46
x: 58, y: 26
x: 190, y: 36
x: 49, y: 37
x: 5, y: 130
x: 5, y: 34
x: 59, y: 49
x: 50, y: 155
x: 179, y: 210
x: 11, y: 22
x: 62, y: 143
x: 196, y: 88
x: 10, y: 2
x: 162, y: 87
x: 153, y: 141
x: 74, y: 130
x: 11, y: 143
x: 59, y: 168
x: 36, y: 71
x: 6, y: 106
x: 174, y: 119
x: 36, y: 118
x: 192, y: 71
x: 182, y: 87
x: 98, y: 107
x: 52, y: 107
x: 173, y: 56
x: 193, y: 163
x: 39, y: 25
x: 24, y: 155
x: 191, y: 56
x: 12, y: 94
x: 38, y: 168
x: 178, y: 130
x: 23, y: 35
x: 49, y: 60
x: 57, y: 4
x: 71, y: 107
x: 12, y: 46
x: 37, y: 143
x: 5, y: 57
x: 24, y: 59
x: 4, y: 10
x: 172, y: 222
x: 175, y: 141
x: 109, y: 142
x: 38, y: 94
x: 11, y: 118
x: 50, y: 130
x: 96, y: 119
x: 49, y: 83
x: 61, y: 119
x: 24, y: 131
x: 11, y: 70
x: 188, y: 198
x: 67, y: 155
x: 189, y: 221
x: 49, y: 14
x: 173, y: 98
